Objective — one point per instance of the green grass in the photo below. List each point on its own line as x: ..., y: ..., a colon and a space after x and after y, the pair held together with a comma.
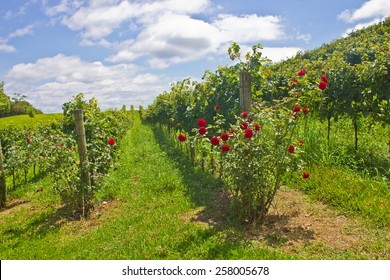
x: 370, y: 160
x: 26, y: 120
x: 349, y: 193
x: 158, y: 206
x: 356, y: 183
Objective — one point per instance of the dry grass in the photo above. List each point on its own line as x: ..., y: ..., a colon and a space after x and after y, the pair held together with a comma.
x: 302, y: 227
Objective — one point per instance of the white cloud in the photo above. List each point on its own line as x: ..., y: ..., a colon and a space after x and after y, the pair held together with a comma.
x: 52, y: 81
x: 360, y: 26
x: 165, y: 32
x: 369, y: 9
x: 275, y: 54
x: 174, y: 38
x: 22, y: 10
x: 278, y: 54
x: 5, y: 47
x: 27, y: 30
x: 249, y: 28
x: 102, y: 17
x: 171, y: 39
x: 99, y: 22
x: 62, y: 7
x: 304, y: 37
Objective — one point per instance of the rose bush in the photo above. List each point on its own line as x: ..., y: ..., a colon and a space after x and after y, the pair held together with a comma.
x: 253, y: 163
x: 52, y: 148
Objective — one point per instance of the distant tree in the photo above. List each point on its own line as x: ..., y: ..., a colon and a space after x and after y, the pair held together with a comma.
x: 18, y: 97
x: 20, y: 108
x: 5, y: 106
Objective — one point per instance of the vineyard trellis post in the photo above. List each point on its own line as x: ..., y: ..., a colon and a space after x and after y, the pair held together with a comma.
x: 82, y: 148
x: 3, y: 188
x: 245, y: 91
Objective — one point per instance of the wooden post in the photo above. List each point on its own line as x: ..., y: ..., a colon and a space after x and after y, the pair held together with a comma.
x: 245, y: 91
x: 3, y: 188
x: 82, y: 147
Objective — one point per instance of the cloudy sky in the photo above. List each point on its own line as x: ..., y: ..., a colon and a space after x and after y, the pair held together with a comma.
x: 126, y: 52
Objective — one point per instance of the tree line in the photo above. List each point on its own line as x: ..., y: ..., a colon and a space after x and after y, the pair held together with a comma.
x: 15, y: 105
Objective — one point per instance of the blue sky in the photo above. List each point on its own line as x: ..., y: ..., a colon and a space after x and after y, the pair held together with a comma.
x: 127, y: 52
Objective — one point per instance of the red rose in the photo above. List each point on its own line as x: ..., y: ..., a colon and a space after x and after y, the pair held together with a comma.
x: 214, y: 140
x: 201, y: 122
x: 257, y: 127
x: 322, y: 85
x: 248, y: 133
x: 244, y: 125
x: 305, y: 110
x: 302, y: 72
x: 202, y: 130
x: 291, y: 149
x: 217, y: 107
x: 181, y: 137
x: 225, y: 136
x: 111, y: 141
x: 73, y: 148
x: 295, y: 81
x: 244, y: 114
x: 297, y: 108
x: 324, y: 79
x: 306, y: 175
x: 225, y: 148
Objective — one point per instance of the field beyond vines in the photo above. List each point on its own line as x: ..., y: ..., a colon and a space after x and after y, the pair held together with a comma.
x: 154, y: 204
x: 26, y: 120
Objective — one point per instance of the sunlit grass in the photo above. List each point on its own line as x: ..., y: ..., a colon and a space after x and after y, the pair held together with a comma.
x: 349, y: 193
x: 26, y: 120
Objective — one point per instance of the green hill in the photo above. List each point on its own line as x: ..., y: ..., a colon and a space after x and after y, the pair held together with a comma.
x: 21, y: 120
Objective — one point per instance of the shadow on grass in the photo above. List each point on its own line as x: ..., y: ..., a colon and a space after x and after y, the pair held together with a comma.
x: 201, y: 186
x: 224, y: 235
x: 277, y: 231
x: 13, y: 204
x: 41, y: 224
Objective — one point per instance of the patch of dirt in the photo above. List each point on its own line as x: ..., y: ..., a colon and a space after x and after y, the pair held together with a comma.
x: 98, y: 215
x: 214, y: 215
x: 295, y: 223
x: 295, y: 220
x: 63, y: 218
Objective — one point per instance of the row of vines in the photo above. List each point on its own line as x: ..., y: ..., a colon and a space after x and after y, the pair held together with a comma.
x: 253, y: 151
x: 52, y: 149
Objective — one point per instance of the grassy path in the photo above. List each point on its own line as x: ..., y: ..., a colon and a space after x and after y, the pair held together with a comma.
x: 155, y: 205
x: 143, y: 214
